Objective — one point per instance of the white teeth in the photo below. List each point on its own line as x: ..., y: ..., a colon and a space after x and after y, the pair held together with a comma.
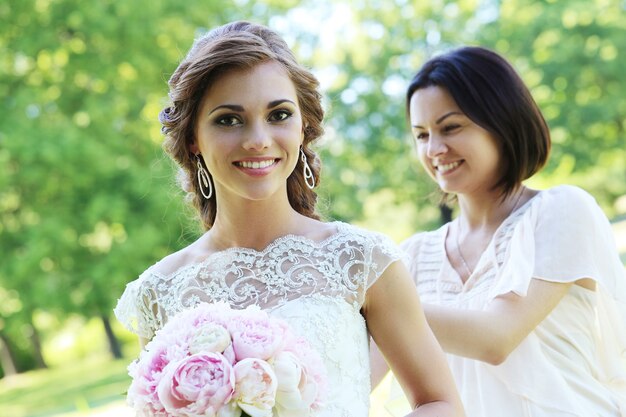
x: 443, y: 168
x: 256, y: 164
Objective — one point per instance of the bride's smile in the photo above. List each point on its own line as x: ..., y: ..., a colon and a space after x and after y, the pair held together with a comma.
x: 250, y: 135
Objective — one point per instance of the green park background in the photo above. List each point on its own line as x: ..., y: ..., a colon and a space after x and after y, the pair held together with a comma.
x: 88, y: 200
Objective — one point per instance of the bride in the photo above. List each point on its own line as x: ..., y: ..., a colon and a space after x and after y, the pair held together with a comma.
x: 242, y: 118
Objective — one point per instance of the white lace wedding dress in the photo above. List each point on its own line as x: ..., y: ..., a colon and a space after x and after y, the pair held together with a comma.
x: 317, y: 287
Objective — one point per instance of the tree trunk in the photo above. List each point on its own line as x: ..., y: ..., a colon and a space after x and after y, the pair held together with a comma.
x: 7, y: 359
x: 36, y: 342
x: 114, y: 345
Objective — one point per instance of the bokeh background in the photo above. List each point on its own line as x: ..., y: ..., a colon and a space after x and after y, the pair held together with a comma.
x: 88, y: 200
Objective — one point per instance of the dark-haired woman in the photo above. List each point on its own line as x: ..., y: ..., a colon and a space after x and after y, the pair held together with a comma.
x: 243, y: 117
x: 524, y: 289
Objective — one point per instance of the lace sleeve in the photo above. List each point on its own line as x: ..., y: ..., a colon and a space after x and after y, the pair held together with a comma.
x: 134, y: 310
x: 382, y: 252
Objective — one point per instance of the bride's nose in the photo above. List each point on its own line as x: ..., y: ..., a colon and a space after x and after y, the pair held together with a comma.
x: 257, y: 137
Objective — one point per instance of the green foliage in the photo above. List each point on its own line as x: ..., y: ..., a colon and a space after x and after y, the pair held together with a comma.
x: 87, y: 199
x: 570, y: 53
x: 567, y: 52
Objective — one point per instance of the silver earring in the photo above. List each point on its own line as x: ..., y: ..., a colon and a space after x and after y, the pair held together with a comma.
x: 204, y: 181
x: 309, y: 179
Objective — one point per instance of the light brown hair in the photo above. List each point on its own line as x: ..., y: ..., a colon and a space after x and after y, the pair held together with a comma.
x: 235, y: 46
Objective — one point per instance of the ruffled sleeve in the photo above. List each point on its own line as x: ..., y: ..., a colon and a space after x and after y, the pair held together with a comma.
x: 133, y: 309
x: 562, y: 237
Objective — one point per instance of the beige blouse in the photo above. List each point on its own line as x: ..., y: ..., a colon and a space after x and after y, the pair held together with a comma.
x: 574, y: 362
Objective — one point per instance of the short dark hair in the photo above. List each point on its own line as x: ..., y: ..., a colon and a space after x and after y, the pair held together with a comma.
x: 491, y: 93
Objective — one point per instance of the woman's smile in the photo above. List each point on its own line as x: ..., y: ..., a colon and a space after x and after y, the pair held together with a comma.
x: 249, y: 135
x: 257, y: 166
x: 447, y: 168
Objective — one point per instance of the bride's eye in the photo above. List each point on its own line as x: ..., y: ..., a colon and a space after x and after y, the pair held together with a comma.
x: 228, y: 121
x: 279, y: 115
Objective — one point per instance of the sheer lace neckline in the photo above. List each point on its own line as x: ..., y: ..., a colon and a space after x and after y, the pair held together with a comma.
x: 340, y: 229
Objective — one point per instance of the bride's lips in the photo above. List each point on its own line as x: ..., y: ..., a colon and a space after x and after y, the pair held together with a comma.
x: 256, y: 166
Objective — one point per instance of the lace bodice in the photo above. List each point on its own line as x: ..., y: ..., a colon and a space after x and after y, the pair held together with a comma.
x: 317, y: 287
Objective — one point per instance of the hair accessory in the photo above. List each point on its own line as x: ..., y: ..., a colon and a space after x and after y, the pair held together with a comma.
x: 309, y: 178
x: 204, y: 180
x: 165, y: 117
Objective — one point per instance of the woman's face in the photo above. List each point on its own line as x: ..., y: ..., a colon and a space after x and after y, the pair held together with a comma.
x: 249, y: 131
x: 459, y: 155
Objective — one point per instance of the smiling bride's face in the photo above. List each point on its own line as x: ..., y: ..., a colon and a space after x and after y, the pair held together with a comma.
x: 249, y: 132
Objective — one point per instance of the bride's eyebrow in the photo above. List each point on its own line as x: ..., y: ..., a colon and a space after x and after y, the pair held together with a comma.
x: 233, y: 107
x: 238, y: 108
x: 279, y: 102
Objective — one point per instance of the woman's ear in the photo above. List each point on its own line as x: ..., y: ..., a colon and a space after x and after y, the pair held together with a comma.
x: 194, y: 149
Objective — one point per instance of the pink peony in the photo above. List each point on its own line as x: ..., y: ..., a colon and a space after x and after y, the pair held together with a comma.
x: 187, y: 322
x: 213, y: 361
x: 255, y: 335
x: 255, y: 387
x: 199, y: 385
x: 147, y: 373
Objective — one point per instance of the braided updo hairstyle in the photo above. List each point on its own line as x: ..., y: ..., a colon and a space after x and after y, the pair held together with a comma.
x: 235, y: 46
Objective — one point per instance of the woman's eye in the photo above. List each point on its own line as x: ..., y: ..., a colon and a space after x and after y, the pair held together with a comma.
x: 228, y: 121
x: 421, y: 136
x: 279, y: 115
x: 450, y: 128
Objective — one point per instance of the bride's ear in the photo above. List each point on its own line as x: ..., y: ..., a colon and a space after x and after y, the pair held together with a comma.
x: 194, y: 148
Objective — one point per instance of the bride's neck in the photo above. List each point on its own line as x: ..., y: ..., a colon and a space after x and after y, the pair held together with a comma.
x: 254, y: 225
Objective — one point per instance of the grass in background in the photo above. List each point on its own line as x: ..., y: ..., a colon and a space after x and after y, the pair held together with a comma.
x: 81, y: 386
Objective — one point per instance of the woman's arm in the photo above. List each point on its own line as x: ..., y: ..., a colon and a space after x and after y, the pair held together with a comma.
x: 491, y: 335
x: 398, y: 325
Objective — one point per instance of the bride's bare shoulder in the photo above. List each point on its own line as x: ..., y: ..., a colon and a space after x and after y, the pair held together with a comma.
x: 189, y: 255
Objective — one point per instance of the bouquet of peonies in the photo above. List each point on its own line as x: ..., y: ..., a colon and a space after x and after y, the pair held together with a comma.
x: 216, y: 361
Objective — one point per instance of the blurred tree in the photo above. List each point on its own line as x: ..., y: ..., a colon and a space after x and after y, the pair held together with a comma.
x: 569, y: 53
x: 572, y: 56
x: 86, y: 196
x: 87, y: 199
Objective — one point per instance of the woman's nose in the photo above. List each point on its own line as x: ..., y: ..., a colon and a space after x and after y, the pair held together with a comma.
x: 258, y: 137
x: 436, y: 146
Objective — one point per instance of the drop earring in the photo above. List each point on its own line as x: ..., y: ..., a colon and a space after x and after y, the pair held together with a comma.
x: 309, y: 178
x: 204, y: 180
